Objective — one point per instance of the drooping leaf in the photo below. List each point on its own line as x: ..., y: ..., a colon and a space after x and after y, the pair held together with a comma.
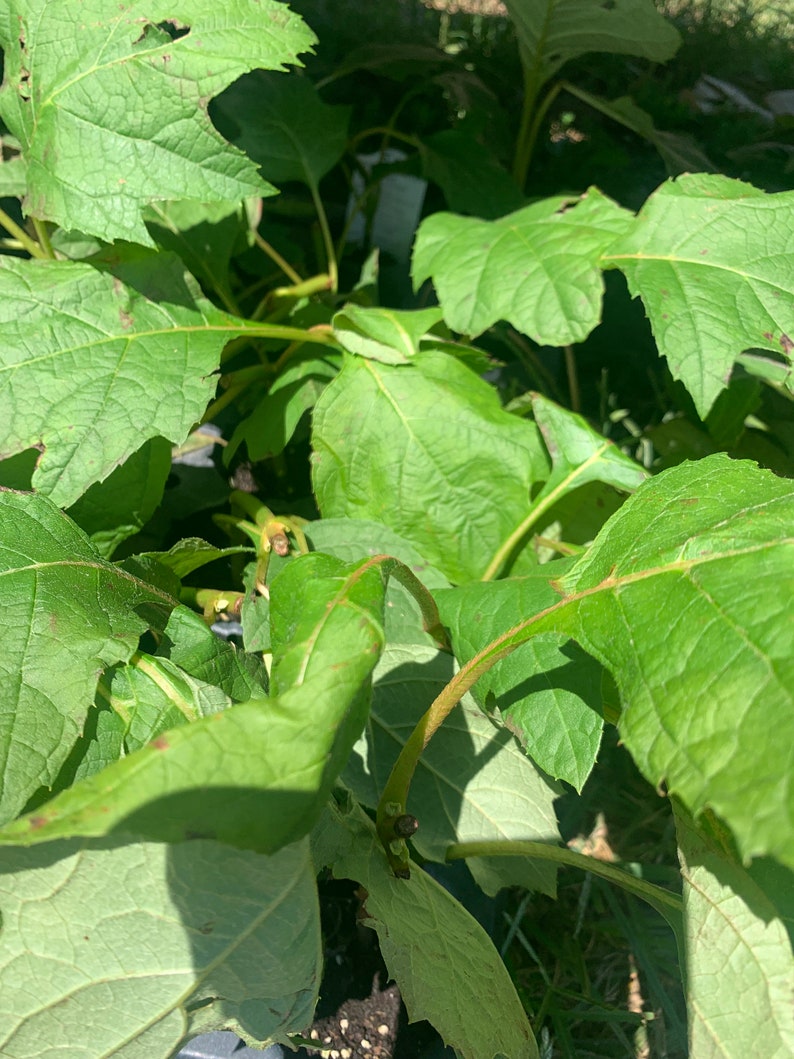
x: 737, y: 947
x: 67, y: 96
x: 91, y: 369
x: 386, y: 335
x: 548, y: 690
x: 255, y: 775
x: 426, y: 449
x: 283, y: 124
x: 115, y: 509
x: 68, y: 614
x: 537, y: 268
x: 685, y: 597
x: 129, y: 950
x: 550, y: 32
x: 710, y: 259
x: 443, y: 961
x: 472, y: 783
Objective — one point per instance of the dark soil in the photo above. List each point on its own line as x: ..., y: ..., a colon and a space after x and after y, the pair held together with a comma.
x: 360, y: 1014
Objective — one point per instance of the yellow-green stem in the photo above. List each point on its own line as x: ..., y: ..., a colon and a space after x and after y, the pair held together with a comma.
x: 503, y: 552
x: 665, y: 901
x: 276, y: 258
x: 328, y: 242
x: 43, y: 237
x: 22, y: 236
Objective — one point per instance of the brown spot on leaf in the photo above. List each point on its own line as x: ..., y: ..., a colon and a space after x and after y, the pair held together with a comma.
x: 768, y: 336
x: 786, y: 344
x: 160, y: 743
x: 37, y: 822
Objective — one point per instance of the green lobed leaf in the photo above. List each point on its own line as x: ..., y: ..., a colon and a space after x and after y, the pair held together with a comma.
x: 68, y: 614
x: 444, y: 963
x: 283, y: 124
x: 710, y: 258
x: 426, y: 449
x: 472, y: 782
x: 255, y: 775
x: 537, y: 268
x: 550, y: 32
x: 90, y: 368
x: 113, y: 85
x: 737, y: 949
x: 387, y: 335
x: 685, y: 597
x: 548, y: 691
x: 129, y: 950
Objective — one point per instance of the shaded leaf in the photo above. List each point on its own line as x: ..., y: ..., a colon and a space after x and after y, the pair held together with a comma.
x: 550, y: 32
x: 351, y: 539
x: 283, y: 124
x: 680, y: 151
x: 129, y: 950
x: 737, y: 947
x: 67, y: 98
x: 152, y: 695
x: 205, y: 236
x: 190, y: 644
x: 67, y: 615
x: 472, y: 782
x: 191, y: 553
x: 117, y: 508
x: 471, y: 178
x: 444, y: 963
x: 537, y: 268
x: 420, y: 447
x: 710, y: 259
